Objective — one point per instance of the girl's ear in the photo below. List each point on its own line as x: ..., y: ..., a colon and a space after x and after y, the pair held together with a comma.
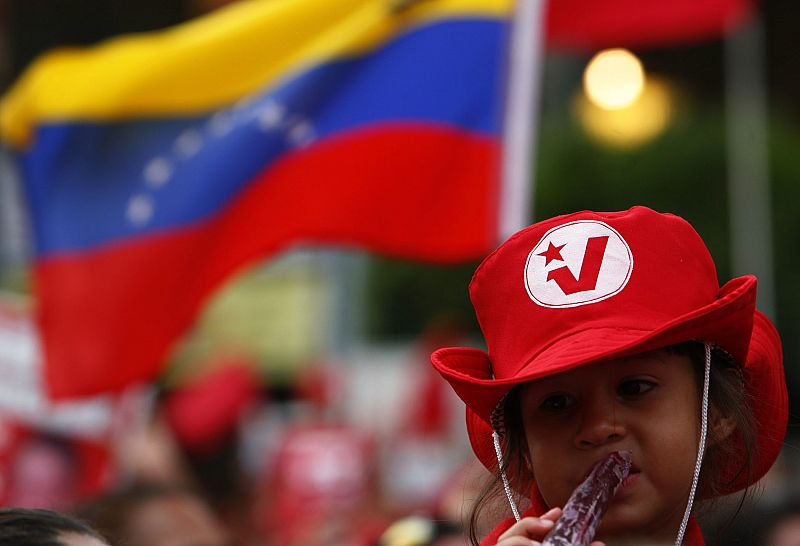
x: 720, y: 426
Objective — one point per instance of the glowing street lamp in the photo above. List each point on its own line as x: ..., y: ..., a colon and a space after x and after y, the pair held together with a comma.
x: 614, y: 79
x: 634, y: 125
x: 620, y: 106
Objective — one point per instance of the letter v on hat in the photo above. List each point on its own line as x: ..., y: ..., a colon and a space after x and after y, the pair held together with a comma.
x: 578, y: 263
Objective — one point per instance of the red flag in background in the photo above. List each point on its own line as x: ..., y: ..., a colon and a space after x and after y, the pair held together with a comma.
x: 586, y: 24
x: 154, y: 166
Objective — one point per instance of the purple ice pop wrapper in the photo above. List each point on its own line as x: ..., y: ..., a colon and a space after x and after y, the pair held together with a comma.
x: 584, y: 509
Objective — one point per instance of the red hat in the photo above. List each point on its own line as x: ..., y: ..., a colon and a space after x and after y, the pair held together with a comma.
x: 590, y: 286
x: 203, y: 412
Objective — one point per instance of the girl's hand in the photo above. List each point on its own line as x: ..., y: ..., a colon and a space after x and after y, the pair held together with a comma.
x: 531, y: 530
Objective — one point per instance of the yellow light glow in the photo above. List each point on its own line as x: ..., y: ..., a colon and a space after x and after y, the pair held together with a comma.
x: 632, y: 126
x: 613, y: 79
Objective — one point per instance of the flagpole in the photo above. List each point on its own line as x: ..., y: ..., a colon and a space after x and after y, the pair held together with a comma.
x: 749, y: 202
x: 521, y: 118
x: 14, y: 239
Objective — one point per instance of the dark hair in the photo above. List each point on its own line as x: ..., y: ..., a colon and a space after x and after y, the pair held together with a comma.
x: 36, y: 527
x: 727, y: 395
x: 516, y: 466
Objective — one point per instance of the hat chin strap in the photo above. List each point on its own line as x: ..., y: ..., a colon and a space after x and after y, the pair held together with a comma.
x: 506, y: 486
x: 701, y: 448
x: 698, y: 463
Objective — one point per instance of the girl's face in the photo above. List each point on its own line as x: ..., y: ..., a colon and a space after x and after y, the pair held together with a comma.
x: 647, y: 404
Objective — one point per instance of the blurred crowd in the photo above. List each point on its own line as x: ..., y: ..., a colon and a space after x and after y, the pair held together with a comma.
x: 225, y: 460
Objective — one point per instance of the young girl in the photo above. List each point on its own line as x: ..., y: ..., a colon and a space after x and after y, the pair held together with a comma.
x: 609, y: 332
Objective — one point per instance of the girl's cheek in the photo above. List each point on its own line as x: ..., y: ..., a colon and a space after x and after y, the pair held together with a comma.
x: 549, y: 477
x: 552, y: 493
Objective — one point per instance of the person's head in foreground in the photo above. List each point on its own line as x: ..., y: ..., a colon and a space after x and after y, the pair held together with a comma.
x: 34, y: 527
x: 609, y: 332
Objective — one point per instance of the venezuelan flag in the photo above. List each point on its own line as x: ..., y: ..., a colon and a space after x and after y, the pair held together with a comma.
x: 154, y: 165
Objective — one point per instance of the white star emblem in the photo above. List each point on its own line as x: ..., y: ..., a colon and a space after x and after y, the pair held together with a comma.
x: 140, y: 209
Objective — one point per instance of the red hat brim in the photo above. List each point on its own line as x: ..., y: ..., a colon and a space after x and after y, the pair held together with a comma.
x: 730, y: 322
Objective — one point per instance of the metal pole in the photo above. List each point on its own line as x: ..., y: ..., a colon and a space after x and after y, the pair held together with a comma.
x: 749, y: 199
x: 521, y: 116
x: 14, y: 238
x: 347, y: 272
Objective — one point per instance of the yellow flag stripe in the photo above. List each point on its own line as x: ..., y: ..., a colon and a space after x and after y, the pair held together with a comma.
x: 213, y: 60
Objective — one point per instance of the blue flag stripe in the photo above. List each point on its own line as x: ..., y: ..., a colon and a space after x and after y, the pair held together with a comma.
x: 92, y: 184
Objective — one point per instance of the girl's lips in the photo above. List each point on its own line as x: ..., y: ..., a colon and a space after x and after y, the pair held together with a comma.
x: 630, y: 480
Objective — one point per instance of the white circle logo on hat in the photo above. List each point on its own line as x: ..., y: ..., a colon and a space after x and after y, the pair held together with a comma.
x: 578, y: 263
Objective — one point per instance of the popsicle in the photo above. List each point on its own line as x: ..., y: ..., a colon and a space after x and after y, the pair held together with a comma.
x: 584, y: 509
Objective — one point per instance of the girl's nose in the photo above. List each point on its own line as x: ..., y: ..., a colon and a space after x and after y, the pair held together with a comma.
x: 599, y: 424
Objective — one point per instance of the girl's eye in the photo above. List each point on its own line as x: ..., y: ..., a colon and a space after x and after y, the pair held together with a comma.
x: 635, y: 387
x: 557, y: 402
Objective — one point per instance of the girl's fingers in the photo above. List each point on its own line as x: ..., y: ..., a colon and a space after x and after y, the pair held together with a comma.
x: 531, y: 527
x: 528, y: 528
x: 531, y: 530
x: 552, y: 514
x: 518, y: 541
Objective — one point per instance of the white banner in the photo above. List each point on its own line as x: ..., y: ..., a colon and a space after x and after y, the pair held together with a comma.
x: 22, y: 394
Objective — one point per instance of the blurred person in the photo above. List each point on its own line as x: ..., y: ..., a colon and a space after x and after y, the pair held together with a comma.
x: 322, y: 489
x: 458, y: 495
x: 148, y: 452
x: 786, y: 532
x: 205, y: 416
x: 45, y: 467
x: 745, y: 522
x: 39, y: 527
x: 155, y: 515
x: 780, y: 526
x: 444, y: 524
x: 320, y: 485
x: 427, y: 447
x: 43, y: 473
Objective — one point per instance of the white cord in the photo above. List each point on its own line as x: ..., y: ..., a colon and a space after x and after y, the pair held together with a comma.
x: 701, y: 449
x: 506, y: 485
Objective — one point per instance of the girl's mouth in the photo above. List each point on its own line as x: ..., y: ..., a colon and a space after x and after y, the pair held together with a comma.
x: 634, y: 470
x: 631, y: 478
x: 628, y: 481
